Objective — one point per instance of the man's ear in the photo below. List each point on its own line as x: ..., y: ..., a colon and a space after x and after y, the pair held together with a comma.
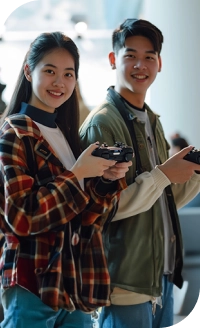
x: 160, y: 64
x: 112, y: 59
x: 27, y: 72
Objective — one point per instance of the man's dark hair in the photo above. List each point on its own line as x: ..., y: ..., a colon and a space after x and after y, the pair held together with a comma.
x: 135, y: 27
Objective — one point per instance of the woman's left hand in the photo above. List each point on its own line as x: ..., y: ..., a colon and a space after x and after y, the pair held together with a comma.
x: 117, y: 171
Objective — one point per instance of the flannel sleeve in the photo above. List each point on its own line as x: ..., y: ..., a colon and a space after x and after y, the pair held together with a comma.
x: 104, y: 198
x: 31, y: 208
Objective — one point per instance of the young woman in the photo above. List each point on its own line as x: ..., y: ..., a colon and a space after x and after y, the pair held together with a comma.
x: 53, y: 269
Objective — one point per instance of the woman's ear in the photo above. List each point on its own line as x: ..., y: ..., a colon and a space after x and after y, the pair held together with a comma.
x: 112, y: 60
x: 27, y: 72
x: 160, y: 64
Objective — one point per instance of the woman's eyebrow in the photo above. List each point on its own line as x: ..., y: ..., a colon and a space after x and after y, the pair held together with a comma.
x: 67, y: 68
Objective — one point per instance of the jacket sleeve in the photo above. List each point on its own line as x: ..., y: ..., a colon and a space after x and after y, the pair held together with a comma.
x: 148, y: 187
x: 30, y: 208
x: 102, y: 205
x: 184, y: 193
x: 142, y: 194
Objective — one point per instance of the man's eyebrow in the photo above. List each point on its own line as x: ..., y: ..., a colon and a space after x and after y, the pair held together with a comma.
x: 67, y: 68
x: 147, y: 51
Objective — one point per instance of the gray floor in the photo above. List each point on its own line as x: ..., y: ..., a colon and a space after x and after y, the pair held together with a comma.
x: 178, y: 318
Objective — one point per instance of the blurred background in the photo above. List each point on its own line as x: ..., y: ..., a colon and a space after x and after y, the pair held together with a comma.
x: 174, y: 95
x: 88, y: 22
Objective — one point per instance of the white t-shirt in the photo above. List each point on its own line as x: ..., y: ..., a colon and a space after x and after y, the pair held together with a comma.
x: 60, y: 145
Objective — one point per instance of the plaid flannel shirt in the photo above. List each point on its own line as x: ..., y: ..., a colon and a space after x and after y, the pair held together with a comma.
x: 51, y: 241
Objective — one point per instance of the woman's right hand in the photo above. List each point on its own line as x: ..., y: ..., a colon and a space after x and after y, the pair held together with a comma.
x: 88, y: 166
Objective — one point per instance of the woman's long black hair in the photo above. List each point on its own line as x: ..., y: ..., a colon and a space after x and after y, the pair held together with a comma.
x: 68, y: 112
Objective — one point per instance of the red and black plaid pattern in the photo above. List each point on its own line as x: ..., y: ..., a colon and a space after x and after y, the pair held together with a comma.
x: 42, y: 209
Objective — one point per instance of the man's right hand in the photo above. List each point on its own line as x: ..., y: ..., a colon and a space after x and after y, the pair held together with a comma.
x: 177, y: 169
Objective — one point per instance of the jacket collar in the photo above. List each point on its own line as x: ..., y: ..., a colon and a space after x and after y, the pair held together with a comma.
x: 23, y: 126
x: 130, y: 113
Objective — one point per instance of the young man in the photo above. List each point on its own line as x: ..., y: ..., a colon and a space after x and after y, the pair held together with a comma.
x: 143, y: 242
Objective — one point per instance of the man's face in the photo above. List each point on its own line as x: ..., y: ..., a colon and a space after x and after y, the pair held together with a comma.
x: 137, y: 65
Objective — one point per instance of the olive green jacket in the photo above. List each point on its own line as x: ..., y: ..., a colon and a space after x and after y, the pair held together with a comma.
x: 134, y: 243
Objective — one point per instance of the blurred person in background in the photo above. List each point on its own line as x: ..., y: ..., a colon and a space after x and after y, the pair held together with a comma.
x: 178, y: 142
x: 2, y: 103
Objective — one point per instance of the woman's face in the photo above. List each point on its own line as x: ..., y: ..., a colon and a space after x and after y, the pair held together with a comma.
x: 53, y: 80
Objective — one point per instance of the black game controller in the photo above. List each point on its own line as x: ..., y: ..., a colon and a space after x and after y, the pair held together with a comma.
x: 119, y: 152
x: 193, y: 156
